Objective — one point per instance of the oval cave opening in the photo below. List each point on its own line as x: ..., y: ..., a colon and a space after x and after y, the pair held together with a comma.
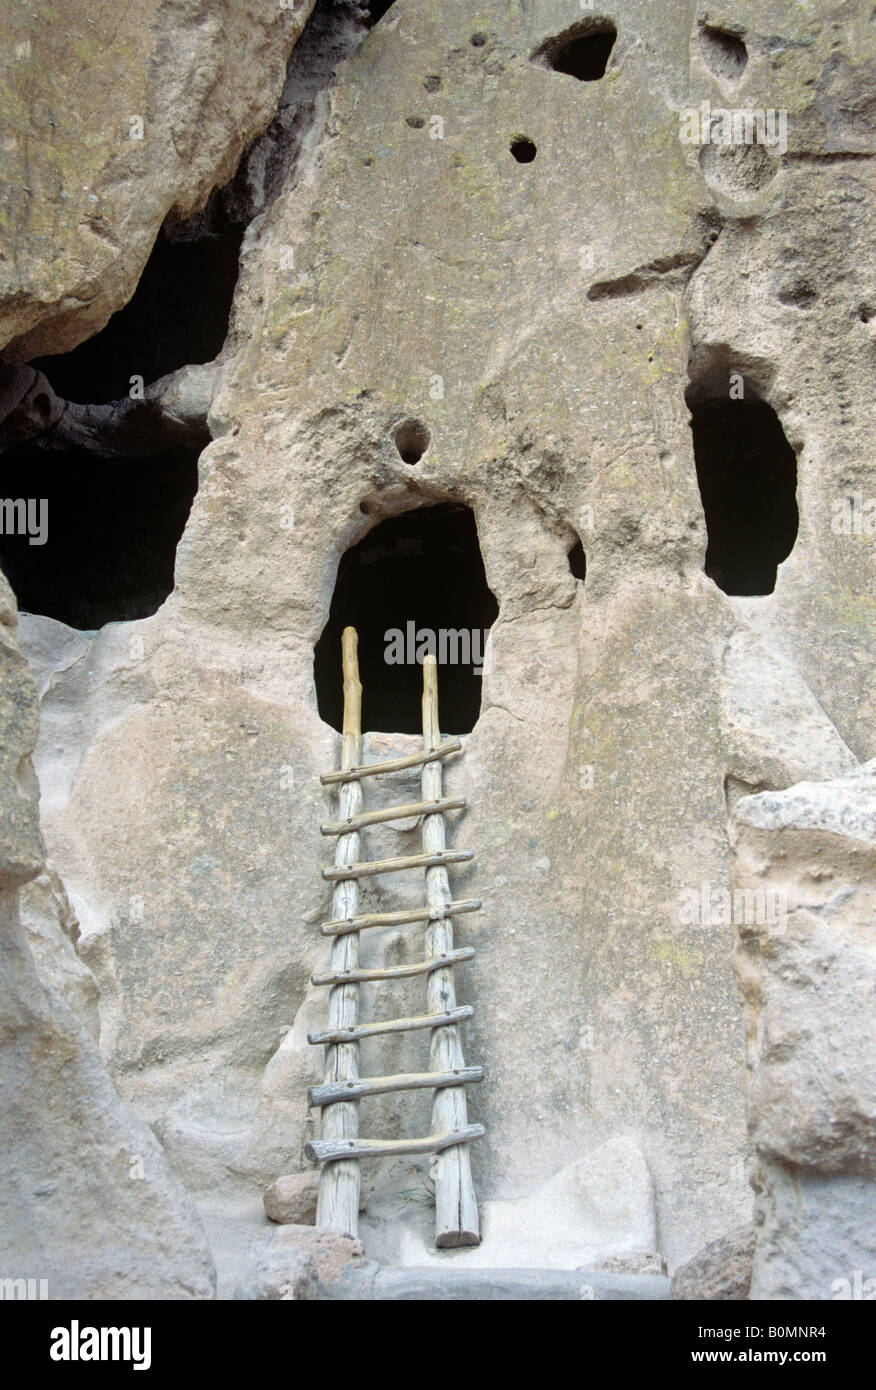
x: 747, y: 475
x: 414, y: 583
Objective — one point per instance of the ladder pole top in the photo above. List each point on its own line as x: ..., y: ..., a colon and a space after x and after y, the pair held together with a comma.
x: 349, y: 646
x: 352, y: 730
x: 431, y: 728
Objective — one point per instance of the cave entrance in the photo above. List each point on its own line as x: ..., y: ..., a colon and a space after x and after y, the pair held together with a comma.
x: 114, y: 513
x: 177, y: 315
x: 416, y: 582
x: 110, y: 533
x: 747, y: 474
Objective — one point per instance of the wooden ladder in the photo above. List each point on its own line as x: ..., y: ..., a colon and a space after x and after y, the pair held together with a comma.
x: 340, y: 1148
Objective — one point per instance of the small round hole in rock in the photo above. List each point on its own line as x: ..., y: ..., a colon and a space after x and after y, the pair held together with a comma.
x: 412, y: 440
x: 478, y: 40
x: 523, y: 149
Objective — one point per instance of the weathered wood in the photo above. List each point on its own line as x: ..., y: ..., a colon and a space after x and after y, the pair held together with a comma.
x: 382, y: 1085
x: 329, y: 1151
x: 386, y: 813
x: 367, y: 869
x: 340, y: 1148
x: 395, y: 972
x: 440, y: 750
x: 338, y: 1195
x: 439, y: 1019
x: 399, y: 918
x: 456, y: 1211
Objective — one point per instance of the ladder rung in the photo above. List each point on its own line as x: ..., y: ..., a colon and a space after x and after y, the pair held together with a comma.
x: 395, y: 972
x: 328, y: 1150
x: 392, y: 1025
x: 398, y: 918
x: 353, y: 774
x: 365, y: 869
x: 414, y: 808
x: 381, y: 1085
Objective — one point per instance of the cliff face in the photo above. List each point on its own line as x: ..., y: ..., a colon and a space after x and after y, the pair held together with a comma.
x: 484, y: 262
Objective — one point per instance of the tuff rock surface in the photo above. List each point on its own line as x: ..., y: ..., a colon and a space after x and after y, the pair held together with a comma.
x: 545, y: 321
x: 721, y: 1271
x: 808, y: 982
x: 89, y: 1202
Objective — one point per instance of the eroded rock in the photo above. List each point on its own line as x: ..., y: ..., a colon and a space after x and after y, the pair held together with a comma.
x: 720, y: 1271
x: 807, y: 980
x: 89, y: 1202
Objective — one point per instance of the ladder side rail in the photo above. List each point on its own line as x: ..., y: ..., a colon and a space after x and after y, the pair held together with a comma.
x: 456, y: 1211
x: 339, y: 1181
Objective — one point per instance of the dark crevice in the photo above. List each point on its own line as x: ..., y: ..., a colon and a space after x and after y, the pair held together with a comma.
x: 111, y: 534
x: 747, y: 475
x: 578, y: 560
x: 376, y: 9
x: 415, y: 574
x: 581, y: 51
x: 826, y: 156
x: 672, y: 270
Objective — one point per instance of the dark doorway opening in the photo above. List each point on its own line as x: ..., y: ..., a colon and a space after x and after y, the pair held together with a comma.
x: 582, y: 51
x: 747, y: 474
x: 111, y: 532
x: 414, y: 578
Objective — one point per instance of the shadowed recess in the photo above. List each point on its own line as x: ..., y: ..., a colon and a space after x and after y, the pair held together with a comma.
x: 578, y: 561
x: 111, y: 535
x: 412, y: 574
x: 412, y: 440
x: 376, y: 9
x: 747, y: 474
x: 177, y: 315
x: 581, y: 51
x: 724, y: 53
